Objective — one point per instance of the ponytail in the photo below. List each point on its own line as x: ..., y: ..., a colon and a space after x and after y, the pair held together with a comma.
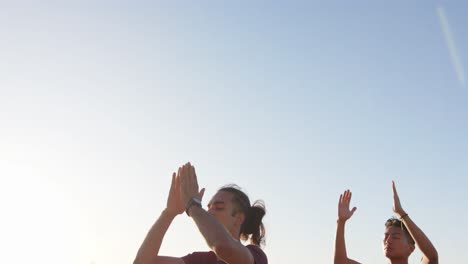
x: 253, y: 225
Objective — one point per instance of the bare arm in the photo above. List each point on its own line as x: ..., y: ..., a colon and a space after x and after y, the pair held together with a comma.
x: 217, y: 237
x: 430, y: 255
x: 344, y: 214
x: 340, y: 246
x: 149, y: 250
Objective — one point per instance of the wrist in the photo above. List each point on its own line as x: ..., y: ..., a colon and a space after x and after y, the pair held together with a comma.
x: 341, y: 221
x: 168, y: 213
x: 192, y: 210
x: 401, y: 214
x: 193, y: 202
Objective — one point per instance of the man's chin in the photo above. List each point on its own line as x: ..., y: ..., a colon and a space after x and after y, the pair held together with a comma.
x: 392, y: 255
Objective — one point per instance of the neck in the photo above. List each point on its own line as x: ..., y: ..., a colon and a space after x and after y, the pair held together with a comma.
x: 398, y: 261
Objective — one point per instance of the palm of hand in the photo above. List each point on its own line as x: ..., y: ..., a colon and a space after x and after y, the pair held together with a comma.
x: 189, y: 183
x: 343, y: 206
x: 344, y: 212
x: 396, y: 201
x: 175, y: 204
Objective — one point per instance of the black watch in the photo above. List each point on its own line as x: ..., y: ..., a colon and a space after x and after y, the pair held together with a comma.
x: 192, y: 202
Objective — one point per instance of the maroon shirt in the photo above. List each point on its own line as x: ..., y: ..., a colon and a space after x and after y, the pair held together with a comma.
x: 210, y: 257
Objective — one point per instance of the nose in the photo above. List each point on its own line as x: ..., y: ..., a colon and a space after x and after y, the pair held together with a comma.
x: 388, y: 240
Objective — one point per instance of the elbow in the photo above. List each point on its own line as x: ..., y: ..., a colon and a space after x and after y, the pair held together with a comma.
x: 138, y: 261
x: 340, y: 261
x: 223, y: 252
x: 343, y: 260
x: 434, y: 259
x: 222, y: 249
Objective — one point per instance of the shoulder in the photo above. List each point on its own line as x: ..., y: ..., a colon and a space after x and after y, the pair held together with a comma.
x: 258, y: 254
x: 205, y: 257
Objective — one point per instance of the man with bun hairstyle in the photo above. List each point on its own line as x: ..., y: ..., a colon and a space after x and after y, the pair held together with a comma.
x: 228, y: 219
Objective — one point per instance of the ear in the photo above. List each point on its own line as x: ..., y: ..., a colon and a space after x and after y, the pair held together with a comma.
x: 411, y: 248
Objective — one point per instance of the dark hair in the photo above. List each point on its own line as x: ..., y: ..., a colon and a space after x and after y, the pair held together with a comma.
x: 252, y: 226
x: 398, y: 223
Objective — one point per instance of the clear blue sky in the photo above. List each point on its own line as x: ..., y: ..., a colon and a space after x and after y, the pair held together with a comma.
x: 101, y: 100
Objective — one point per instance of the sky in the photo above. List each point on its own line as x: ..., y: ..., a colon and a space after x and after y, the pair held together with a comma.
x: 100, y: 101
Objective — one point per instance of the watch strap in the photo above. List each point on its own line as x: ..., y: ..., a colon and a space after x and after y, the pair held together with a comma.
x: 192, y: 202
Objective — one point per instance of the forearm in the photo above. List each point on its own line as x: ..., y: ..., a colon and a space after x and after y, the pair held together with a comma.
x: 340, y: 245
x: 421, y: 239
x: 213, y: 231
x: 153, y: 240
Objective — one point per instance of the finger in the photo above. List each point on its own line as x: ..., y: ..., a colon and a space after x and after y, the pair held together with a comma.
x: 173, y: 182
x: 394, y: 188
x: 194, y: 177
x: 180, y: 175
x: 177, y: 182
x: 194, y: 173
x: 188, y: 174
x: 347, y: 196
x: 190, y: 170
x: 201, y: 193
x: 185, y: 180
x: 353, y: 210
x: 340, y: 201
x: 187, y: 168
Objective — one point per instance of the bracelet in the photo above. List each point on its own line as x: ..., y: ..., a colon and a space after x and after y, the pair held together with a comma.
x: 403, y: 216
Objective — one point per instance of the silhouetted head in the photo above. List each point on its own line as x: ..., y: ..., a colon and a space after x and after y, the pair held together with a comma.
x: 397, y: 242
x: 231, y: 206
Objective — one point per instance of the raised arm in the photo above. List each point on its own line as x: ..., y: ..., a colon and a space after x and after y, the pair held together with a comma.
x: 422, y: 241
x: 149, y: 250
x: 343, y: 215
x: 216, y: 235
